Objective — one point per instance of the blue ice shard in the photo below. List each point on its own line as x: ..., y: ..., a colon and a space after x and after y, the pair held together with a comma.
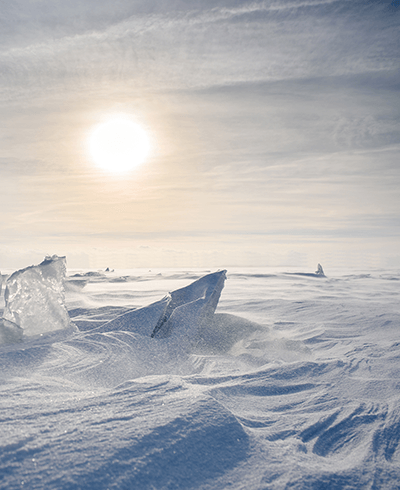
x: 34, y: 299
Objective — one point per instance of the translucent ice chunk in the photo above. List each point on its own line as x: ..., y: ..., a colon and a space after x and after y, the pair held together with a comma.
x: 180, y: 315
x: 191, y: 306
x: 34, y: 297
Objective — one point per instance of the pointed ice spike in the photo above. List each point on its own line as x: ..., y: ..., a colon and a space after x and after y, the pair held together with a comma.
x: 191, y: 306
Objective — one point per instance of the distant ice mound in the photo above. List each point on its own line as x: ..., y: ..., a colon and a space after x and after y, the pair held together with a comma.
x: 318, y: 273
x: 34, y: 300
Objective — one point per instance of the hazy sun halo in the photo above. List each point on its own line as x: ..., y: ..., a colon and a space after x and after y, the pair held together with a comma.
x: 118, y: 145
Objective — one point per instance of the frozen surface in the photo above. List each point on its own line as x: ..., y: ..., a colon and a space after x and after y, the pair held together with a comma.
x: 293, y: 383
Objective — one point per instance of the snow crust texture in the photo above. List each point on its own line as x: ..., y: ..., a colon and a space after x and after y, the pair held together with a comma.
x: 293, y: 383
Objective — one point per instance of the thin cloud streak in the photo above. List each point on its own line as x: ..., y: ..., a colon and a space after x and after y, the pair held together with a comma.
x: 153, y: 49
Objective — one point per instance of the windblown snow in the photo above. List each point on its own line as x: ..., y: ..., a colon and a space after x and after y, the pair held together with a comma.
x: 178, y: 379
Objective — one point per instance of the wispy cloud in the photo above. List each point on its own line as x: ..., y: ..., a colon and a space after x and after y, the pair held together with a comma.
x: 196, y: 47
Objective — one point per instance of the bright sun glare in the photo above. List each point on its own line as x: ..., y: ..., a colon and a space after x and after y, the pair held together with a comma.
x: 118, y: 145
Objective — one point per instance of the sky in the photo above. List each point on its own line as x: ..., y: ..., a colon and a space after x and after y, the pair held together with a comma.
x: 274, y: 131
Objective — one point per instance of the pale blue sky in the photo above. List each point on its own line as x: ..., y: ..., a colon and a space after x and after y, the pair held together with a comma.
x: 275, y: 128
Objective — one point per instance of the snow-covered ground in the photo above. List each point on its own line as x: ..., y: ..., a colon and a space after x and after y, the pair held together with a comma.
x: 299, y: 389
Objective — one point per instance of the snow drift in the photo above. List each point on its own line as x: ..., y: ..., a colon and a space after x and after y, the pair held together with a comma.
x: 291, y: 383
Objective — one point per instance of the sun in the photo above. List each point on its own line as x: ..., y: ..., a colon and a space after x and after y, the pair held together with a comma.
x: 118, y: 145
